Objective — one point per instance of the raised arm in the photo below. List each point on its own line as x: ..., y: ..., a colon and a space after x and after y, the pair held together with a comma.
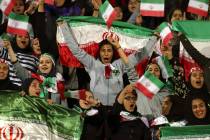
x: 21, y: 72
x: 117, y: 47
x: 66, y: 33
x: 144, y: 52
x: 193, y: 52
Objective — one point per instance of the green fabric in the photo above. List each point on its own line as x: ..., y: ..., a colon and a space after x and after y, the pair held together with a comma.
x: 61, y: 121
x: 187, y: 132
x: 193, y: 29
x: 118, y: 26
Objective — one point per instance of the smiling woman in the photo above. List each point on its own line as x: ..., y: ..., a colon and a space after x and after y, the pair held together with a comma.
x: 197, y: 111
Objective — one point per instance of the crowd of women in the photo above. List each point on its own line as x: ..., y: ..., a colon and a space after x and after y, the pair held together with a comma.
x: 112, y: 106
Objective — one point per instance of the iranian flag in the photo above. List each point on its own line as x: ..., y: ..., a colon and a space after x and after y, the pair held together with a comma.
x: 91, y: 31
x: 199, y: 7
x: 149, y: 85
x: 152, y: 8
x: 195, y: 132
x: 108, y: 13
x: 77, y: 94
x: 166, y: 68
x: 6, y: 6
x: 18, y: 24
x: 198, y: 37
x: 32, y: 118
x: 165, y: 33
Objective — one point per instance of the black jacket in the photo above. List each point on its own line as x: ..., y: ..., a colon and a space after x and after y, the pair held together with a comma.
x: 127, y: 130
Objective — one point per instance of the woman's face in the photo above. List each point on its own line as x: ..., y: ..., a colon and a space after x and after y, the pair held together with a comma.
x: 19, y: 7
x: 36, y: 46
x: 119, y: 13
x: 177, y: 15
x: 22, y: 41
x: 197, y: 79
x: 129, y: 101
x: 199, y: 108
x: 89, y: 97
x: 166, y: 51
x: 34, y: 89
x: 133, y: 5
x: 166, y: 105
x: 106, y: 53
x: 45, y: 64
x: 4, y: 70
x: 154, y: 69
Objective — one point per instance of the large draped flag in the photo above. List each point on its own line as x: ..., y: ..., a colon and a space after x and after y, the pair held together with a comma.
x: 199, y: 132
x: 89, y: 31
x: 199, y: 7
x: 152, y: 8
x: 28, y: 118
x: 199, y: 37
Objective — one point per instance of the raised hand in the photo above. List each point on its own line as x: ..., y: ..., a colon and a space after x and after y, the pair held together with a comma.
x: 96, y: 4
x: 7, y: 44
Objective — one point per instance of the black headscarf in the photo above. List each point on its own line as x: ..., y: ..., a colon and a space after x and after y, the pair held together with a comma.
x: 26, y: 84
x: 27, y: 50
x: 194, y: 91
x: 192, y: 120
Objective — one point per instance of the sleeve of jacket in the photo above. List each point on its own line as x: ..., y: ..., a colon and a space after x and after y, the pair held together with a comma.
x: 21, y: 72
x: 131, y: 72
x: 144, y: 52
x: 193, y: 52
x: 87, y: 60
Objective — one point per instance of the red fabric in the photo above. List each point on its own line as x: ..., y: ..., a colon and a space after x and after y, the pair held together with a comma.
x: 141, y: 66
x: 37, y: 76
x: 68, y: 59
x: 108, y: 71
x: 61, y: 89
x: 82, y: 94
x: 188, y: 65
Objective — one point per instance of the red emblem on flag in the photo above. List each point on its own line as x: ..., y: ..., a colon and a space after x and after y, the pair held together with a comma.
x: 11, y: 132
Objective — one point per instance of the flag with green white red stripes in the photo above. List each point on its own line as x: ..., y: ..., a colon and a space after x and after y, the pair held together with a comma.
x: 199, y: 7
x: 108, y: 13
x: 152, y: 8
x: 18, y: 24
x: 149, y: 85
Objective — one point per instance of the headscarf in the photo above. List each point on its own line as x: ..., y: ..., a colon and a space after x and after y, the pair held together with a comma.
x: 17, y: 49
x: 192, y: 90
x: 26, y: 84
x: 192, y: 120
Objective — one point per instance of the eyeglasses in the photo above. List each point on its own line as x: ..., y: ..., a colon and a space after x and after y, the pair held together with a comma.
x: 129, y: 98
